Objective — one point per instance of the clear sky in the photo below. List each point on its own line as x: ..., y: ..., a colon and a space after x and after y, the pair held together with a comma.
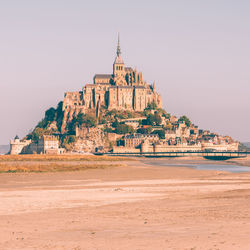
x: 198, y: 52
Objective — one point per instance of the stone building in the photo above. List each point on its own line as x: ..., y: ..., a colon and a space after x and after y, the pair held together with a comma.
x: 135, y: 140
x: 47, y: 144
x: 123, y: 89
x: 17, y: 146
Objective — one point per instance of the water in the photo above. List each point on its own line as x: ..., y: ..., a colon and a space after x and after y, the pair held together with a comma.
x: 217, y: 167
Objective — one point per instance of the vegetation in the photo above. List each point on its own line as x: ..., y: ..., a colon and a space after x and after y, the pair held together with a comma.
x: 114, y: 114
x: 52, y: 115
x: 153, y: 119
x: 144, y: 130
x: 37, y: 133
x: 67, y: 141
x: 81, y: 120
x: 55, y: 158
x: 18, y: 167
x: 42, y: 128
x: 163, y: 113
x: 160, y: 133
x: 186, y: 120
x: 151, y: 106
x: 52, y: 123
x: 124, y: 129
x: 108, y: 130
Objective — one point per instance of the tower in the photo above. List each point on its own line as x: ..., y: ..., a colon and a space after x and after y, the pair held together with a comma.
x: 118, y: 67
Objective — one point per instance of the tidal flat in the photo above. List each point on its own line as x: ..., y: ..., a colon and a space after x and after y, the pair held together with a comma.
x: 133, y: 205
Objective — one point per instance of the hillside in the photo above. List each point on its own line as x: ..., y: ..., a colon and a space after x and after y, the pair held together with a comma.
x: 104, y: 129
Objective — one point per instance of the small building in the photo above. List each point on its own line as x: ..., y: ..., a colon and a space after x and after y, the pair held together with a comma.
x: 48, y: 144
x: 134, y: 140
x: 17, y: 146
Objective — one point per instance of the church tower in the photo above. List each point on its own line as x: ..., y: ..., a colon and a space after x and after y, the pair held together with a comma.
x: 118, y: 67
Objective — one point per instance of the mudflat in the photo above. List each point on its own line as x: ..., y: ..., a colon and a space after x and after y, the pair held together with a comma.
x: 129, y: 206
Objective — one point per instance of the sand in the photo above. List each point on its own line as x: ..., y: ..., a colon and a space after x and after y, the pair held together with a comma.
x: 137, y: 206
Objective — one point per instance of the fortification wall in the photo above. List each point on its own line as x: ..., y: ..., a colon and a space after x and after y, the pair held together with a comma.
x: 176, y: 148
x: 17, y: 146
x: 121, y: 149
x: 221, y: 147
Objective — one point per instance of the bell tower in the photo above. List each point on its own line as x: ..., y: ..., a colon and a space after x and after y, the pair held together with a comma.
x: 118, y: 66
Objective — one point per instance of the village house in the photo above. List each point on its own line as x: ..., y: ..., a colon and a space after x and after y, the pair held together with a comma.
x: 135, y: 140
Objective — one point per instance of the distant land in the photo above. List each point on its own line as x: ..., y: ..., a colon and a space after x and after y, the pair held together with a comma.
x: 247, y: 144
x: 4, y: 149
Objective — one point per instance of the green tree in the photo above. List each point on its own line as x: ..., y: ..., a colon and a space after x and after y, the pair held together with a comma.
x: 85, y: 120
x: 151, y: 106
x: 124, y: 129
x: 36, y: 134
x: 42, y: 124
x: 50, y: 114
x: 146, y: 130
x: 186, y: 120
x: 108, y: 130
x: 72, y: 126
x: 115, y: 124
x: 160, y: 133
x: 71, y: 139
x: 89, y: 121
x: 81, y: 120
x: 59, y: 115
x: 153, y: 119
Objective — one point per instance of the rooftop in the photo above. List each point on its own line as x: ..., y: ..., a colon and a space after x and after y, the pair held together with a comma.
x: 102, y: 76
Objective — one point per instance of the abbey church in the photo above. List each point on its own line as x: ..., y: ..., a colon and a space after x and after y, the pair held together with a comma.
x: 123, y: 89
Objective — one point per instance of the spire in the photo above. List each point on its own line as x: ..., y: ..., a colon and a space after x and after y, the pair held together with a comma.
x: 118, y: 59
x: 118, y: 51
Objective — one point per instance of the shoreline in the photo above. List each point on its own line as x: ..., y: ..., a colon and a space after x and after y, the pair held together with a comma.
x: 28, y: 164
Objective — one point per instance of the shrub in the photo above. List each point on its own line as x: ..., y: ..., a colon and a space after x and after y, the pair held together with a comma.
x: 108, y: 130
x: 124, y: 129
x: 186, y: 120
x: 144, y: 130
x: 151, y: 106
x: 160, y: 133
x: 154, y: 119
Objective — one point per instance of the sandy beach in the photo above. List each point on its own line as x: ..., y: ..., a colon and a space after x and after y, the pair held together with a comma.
x: 132, y: 206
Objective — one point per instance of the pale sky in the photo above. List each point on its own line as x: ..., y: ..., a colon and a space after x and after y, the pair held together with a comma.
x: 198, y: 52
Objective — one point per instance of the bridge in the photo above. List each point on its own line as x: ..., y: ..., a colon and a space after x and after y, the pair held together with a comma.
x: 214, y: 155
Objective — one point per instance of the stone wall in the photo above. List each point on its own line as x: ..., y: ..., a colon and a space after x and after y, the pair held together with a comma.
x: 220, y: 147
x: 17, y: 146
x: 121, y: 149
x: 176, y: 148
x: 88, y: 139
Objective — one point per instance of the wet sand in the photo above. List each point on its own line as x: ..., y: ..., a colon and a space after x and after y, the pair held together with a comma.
x: 137, y: 206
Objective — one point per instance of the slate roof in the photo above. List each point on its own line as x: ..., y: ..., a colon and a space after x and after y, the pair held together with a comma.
x: 128, y: 69
x: 103, y: 76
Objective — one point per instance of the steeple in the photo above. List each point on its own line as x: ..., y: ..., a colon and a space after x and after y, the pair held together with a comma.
x: 118, y: 59
x: 119, y: 67
x: 118, y: 51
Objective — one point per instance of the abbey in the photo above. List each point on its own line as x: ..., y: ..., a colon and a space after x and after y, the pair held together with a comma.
x: 124, y: 89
